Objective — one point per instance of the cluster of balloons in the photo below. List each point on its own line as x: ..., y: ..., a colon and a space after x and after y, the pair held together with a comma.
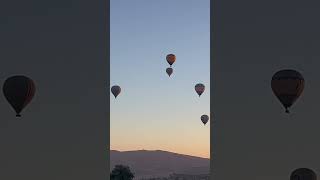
x: 19, y: 91
x: 199, y: 90
x: 287, y: 85
x: 171, y: 58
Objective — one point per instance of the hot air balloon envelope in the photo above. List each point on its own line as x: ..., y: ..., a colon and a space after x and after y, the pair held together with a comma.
x: 171, y: 58
x: 199, y: 89
x: 287, y: 85
x: 169, y: 71
x: 303, y: 174
x: 204, y: 119
x: 19, y: 91
x: 115, y: 90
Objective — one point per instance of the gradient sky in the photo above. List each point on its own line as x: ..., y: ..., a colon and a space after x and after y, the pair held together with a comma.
x: 155, y: 111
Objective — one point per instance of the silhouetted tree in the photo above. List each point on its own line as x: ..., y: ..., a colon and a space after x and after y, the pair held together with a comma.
x: 121, y: 172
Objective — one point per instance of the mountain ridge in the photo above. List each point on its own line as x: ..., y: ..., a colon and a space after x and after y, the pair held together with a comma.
x: 158, y: 151
x: 159, y: 163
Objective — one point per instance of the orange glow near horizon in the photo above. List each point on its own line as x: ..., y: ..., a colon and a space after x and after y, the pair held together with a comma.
x: 186, y: 140
x: 155, y: 111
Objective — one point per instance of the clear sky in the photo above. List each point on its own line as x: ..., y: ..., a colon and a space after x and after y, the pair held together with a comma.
x: 153, y: 111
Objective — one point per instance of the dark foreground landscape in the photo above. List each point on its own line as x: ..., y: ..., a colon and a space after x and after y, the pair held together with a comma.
x: 161, y: 164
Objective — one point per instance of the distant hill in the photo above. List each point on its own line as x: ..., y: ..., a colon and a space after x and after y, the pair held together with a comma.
x: 159, y: 163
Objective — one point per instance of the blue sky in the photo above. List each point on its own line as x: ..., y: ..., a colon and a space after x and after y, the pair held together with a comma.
x: 154, y: 111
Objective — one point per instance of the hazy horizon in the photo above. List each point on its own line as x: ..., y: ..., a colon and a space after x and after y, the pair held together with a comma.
x: 154, y: 111
x: 133, y: 150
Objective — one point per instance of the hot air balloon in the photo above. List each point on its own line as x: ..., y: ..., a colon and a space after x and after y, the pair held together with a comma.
x: 171, y: 58
x: 199, y: 89
x: 115, y: 90
x: 287, y: 85
x: 204, y: 119
x: 169, y: 71
x: 19, y: 91
x: 303, y: 174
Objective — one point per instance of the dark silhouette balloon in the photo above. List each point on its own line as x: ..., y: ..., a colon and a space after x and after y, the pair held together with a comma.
x: 204, y: 118
x: 171, y: 58
x: 199, y: 88
x: 287, y: 85
x: 303, y: 174
x: 19, y: 91
x: 115, y: 90
x: 169, y: 71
